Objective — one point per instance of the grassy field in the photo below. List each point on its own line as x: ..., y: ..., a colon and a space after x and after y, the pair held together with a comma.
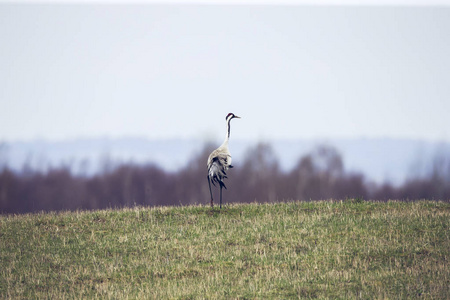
x: 326, y: 249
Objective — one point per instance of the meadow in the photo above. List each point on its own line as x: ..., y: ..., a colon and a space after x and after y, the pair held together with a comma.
x: 324, y: 249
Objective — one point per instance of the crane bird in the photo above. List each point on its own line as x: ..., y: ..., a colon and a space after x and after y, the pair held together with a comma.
x: 219, y: 161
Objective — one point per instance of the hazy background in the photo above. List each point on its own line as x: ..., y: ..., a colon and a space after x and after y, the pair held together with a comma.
x: 171, y: 71
x: 90, y: 77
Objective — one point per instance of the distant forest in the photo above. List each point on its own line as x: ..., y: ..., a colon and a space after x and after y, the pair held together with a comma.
x: 317, y: 175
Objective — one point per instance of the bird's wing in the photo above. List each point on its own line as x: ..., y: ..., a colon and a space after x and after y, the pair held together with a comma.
x: 222, y: 157
x: 219, y: 160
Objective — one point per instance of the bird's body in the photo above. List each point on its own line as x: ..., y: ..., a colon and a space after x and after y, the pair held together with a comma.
x: 219, y: 161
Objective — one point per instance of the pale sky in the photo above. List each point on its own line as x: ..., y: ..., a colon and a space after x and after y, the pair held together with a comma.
x: 175, y: 71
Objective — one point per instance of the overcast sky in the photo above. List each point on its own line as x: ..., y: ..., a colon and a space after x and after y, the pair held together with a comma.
x: 175, y: 71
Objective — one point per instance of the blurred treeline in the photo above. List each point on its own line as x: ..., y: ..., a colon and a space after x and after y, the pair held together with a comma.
x: 258, y: 178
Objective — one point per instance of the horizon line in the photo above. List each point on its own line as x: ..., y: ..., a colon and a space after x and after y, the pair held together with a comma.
x: 206, y: 140
x: 370, y: 3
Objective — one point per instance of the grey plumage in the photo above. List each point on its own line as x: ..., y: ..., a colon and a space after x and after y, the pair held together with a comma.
x: 219, y: 161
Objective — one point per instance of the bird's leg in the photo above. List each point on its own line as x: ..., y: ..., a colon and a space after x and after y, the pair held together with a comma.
x: 210, y: 191
x: 220, y: 196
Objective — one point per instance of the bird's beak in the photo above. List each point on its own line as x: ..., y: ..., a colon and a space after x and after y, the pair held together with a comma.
x: 237, y: 117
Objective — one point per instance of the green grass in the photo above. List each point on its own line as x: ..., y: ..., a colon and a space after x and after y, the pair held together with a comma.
x: 326, y: 249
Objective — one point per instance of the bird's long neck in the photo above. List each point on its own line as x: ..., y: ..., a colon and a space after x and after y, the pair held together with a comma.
x: 227, y: 137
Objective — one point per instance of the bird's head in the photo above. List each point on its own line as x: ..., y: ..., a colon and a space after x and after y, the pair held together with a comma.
x: 231, y: 116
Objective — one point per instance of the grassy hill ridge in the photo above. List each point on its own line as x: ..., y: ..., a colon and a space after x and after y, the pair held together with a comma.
x: 331, y: 249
